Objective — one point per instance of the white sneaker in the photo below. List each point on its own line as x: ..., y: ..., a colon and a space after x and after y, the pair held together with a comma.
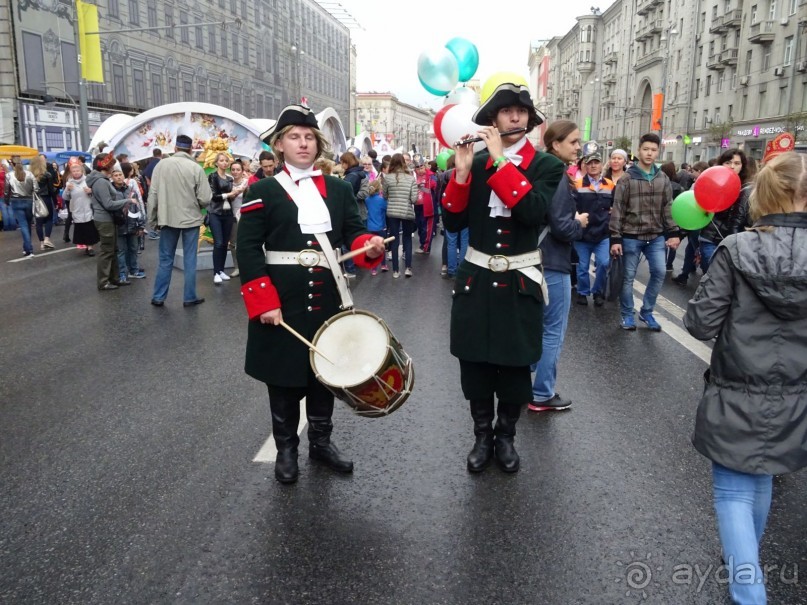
x: 217, y: 278
x: 224, y: 276
x: 235, y: 273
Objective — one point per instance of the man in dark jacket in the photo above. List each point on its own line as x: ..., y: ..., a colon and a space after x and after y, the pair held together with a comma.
x: 641, y: 221
x: 501, y: 196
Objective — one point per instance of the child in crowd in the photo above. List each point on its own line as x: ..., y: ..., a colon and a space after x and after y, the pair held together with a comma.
x: 134, y: 226
x: 377, y: 216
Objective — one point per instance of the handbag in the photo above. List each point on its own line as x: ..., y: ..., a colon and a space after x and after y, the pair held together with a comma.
x: 40, y: 209
x: 615, y: 277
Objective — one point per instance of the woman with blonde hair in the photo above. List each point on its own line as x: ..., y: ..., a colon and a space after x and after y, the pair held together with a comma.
x: 19, y: 194
x: 220, y: 211
x: 45, y: 189
x: 752, y: 417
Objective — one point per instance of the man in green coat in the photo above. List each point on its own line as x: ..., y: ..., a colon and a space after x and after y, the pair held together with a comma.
x: 501, y: 194
x: 286, y: 278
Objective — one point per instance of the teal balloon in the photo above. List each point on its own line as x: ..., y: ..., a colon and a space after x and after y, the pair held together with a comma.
x: 265, y: 146
x: 467, y: 57
x: 688, y: 214
x: 438, y: 71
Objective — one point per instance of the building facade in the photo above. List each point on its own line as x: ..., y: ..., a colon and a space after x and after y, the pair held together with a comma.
x: 703, y: 74
x: 386, y: 118
x: 253, y: 57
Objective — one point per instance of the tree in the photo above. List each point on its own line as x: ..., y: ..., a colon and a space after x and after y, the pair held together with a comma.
x: 796, y: 124
x: 721, y: 130
x: 622, y: 142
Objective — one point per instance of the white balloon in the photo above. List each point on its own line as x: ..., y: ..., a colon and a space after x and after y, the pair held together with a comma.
x: 462, y: 95
x: 457, y: 123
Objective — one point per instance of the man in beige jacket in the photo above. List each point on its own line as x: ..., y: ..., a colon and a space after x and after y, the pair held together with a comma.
x: 179, y: 190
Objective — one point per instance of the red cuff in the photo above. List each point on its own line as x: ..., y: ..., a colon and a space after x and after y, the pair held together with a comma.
x: 362, y: 260
x: 456, y: 196
x: 260, y: 296
x: 509, y: 184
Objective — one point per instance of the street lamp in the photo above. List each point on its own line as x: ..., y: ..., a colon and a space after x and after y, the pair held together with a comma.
x: 297, y: 52
x: 666, y: 36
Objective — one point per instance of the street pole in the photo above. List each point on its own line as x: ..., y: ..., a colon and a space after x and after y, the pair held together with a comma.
x: 83, y: 111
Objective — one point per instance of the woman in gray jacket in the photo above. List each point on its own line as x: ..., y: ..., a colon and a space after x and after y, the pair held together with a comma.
x: 104, y: 207
x: 752, y: 418
x: 400, y: 189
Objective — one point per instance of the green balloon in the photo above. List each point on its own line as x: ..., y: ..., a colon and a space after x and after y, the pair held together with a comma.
x: 688, y: 214
x: 442, y: 159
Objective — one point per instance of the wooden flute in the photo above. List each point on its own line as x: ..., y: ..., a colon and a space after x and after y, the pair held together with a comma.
x: 479, y: 139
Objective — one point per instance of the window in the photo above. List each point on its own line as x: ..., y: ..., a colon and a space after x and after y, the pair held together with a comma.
x: 766, y: 58
x: 156, y: 89
x: 711, y: 48
x: 731, y: 113
x: 708, y: 86
x: 783, y: 101
x: 134, y: 12
x: 113, y: 9
x: 754, y: 11
x: 772, y: 10
x: 118, y: 84
x: 234, y: 7
x: 224, y: 44
x: 699, y: 56
x: 792, y: 9
x: 169, y: 20
x: 723, y: 42
x: 721, y: 80
x: 244, y: 9
x: 173, y: 90
x: 200, y: 34
x: 184, y: 32
x: 762, y: 97
x: 705, y: 118
x: 714, y: 13
x: 34, y: 61
x: 201, y: 92
x: 246, y: 51
x: 214, y: 92
x: 726, y: 6
x: 748, y: 56
x: 151, y: 12
x: 225, y: 97
x: 701, y: 23
x: 743, y: 105
x: 211, y: 38
x: 717, y: 115
x: 258, y: 106
x: 187, y: 90
x: 237, y: 100
x: 695, y: 119
x: 788, y: 50
x: 139, y: 86
x: 235, y: 47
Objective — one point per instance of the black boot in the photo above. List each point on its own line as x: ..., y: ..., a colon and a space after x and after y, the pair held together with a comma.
x: 320, y: 427
x: 285, y: 419
x: 482, y: 452
x: 505, y: 434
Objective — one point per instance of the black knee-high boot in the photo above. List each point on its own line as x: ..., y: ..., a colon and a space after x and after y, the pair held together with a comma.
x: 482, y: 453
x: 505, y: 434
x: 285, y: 419
x: 319, y: 409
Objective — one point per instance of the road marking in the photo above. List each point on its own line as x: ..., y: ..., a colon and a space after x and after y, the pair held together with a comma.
x: 41, y: 254
x: 268, y: 451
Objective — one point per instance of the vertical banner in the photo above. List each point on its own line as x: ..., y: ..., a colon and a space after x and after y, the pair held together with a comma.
x: 92, y: 68
x: 587, y: 129
x: 658, y: 104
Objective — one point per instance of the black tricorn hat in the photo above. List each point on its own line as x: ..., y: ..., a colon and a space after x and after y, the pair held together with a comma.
x: 508, y: 95
x: 292, y: 115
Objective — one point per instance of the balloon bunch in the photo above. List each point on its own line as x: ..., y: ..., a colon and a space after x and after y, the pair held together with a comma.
x: 440, y: 69
x: 716, y: 189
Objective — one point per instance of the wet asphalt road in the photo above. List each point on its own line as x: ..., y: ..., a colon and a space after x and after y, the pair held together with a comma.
x: 127, y: 435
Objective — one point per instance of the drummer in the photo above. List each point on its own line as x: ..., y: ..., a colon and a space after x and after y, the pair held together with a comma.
x: 286, y: 277
x: 501, y: 195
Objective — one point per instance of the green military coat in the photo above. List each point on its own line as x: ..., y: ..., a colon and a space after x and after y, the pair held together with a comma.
x: 497, y: 318
x: 307, y: 296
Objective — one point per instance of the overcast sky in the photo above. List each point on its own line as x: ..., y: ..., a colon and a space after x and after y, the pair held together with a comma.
x: 395, y: 33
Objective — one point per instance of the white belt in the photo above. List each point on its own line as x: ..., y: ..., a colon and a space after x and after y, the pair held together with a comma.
x: 304, y: 258
x: 523, y: 263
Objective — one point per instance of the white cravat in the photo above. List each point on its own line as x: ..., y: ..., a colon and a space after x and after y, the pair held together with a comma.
x: 497, y: 207
x: 312, y: 213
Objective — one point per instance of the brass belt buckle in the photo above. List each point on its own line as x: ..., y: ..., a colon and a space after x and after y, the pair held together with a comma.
x: 308, y: 258
x: 498, y: 263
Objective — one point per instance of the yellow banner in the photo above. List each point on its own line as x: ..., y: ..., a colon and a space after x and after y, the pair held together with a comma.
x: 92, y: 69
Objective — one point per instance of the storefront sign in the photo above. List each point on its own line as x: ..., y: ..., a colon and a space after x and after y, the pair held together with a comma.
x: 764, y: 131
x: 51, y: 116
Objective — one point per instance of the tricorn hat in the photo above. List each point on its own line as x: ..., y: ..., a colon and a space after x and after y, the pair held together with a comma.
x: 783, y: 143
x: 292, y: 115
x: 505, y: 90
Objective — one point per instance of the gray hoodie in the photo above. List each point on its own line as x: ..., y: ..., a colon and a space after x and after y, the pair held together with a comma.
x: 103, y: 197
x: 753, y: 414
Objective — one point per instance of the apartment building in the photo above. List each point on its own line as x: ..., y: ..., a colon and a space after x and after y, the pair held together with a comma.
x: 385, y: 118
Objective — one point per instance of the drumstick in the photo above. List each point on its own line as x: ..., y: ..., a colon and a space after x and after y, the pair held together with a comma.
x: 302, y: 339
x: 362, y: 250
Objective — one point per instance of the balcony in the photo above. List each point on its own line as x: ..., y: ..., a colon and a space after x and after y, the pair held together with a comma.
x: 733, y: 19
x: 609, y: 79
x: 648, y: 59
x: 608, y: 98
x: 713, y: 62
x: 610, y: 58
x: 761, y: 32
x: 729, y: 56
x: 646, y: 6
x: 655, y: 26
x: 585, y: 67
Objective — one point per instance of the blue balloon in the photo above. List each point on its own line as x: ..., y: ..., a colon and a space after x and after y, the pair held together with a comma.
x: 438, y: 71
x: 467, y: 57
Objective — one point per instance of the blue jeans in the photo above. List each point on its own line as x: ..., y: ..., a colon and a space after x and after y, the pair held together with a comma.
x: 707, y: 252
x: 452, y: 239
x: 742, y: 502
x: 9, y: 222
x: 24, y: 213
x: 394, y: 225
x: 127, y: 254
x: 653, y: 250
x: 689, y: 253
x: 221, y: 226
x: 169, y: 238
x: 556, y: 318
x: 602, y: 258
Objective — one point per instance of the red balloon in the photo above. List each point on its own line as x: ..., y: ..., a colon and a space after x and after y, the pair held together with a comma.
x: 438, y: 125
x: 717, y: 188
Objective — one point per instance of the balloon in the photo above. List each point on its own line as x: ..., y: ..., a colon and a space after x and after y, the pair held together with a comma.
x: 442, y: 159
x: 467, y: 57
x: 456, y: 122
x: 438, y: 71
x: 497, y: 79
x: 462, y: 94
x: 688, y: 214
x: 717, y: 188
x: 438, y: 120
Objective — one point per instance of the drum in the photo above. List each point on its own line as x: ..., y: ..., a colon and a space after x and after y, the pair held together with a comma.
x: 368, y: 368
